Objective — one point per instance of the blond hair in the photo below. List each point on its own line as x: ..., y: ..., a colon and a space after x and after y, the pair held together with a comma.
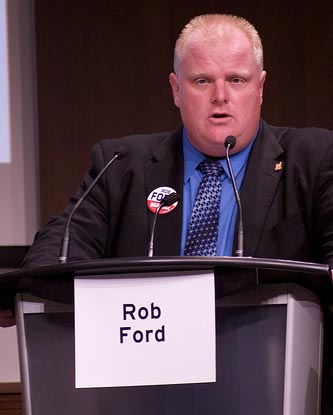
x: 212, y: 27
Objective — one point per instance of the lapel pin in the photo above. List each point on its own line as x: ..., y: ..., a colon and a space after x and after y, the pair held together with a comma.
x: 278, y: 166
x: 156, y: 196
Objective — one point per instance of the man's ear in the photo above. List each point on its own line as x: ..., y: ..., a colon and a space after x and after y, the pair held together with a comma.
x: 175, y: 88
x: 261, y: 83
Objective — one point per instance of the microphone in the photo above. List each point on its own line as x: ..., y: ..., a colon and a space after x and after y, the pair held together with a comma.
x: 166, y: 201
x: 229, y: 143
x: 64, y: 248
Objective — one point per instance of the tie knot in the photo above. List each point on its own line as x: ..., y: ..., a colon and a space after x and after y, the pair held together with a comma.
x: 212, y: 167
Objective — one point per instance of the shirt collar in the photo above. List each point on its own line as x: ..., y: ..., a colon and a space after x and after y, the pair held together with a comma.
x: 192, y: 157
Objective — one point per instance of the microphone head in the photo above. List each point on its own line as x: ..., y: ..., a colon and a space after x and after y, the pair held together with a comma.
x: 230, y: 141
x: 170, y: 199
x: 121, y: 153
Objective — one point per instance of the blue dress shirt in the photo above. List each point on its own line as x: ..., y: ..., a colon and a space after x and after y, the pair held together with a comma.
x: 228, y: 207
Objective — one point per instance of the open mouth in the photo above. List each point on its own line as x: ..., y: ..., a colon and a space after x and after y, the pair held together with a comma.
x: 217, y: 115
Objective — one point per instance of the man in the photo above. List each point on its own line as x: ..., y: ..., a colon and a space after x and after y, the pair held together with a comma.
x: 285, y: 175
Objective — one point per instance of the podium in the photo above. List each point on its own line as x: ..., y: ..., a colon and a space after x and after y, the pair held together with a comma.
x: 269, y: 339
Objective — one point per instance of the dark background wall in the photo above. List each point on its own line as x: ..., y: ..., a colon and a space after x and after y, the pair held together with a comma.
x: 103, y: 66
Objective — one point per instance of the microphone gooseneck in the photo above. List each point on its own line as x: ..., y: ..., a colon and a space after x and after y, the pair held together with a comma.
x: 166, y: 201
x: 229, y: 143
x: 64, y: 248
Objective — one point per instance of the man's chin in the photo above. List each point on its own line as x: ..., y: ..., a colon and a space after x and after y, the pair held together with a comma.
x: 215, y: 149
x: 212, y: 143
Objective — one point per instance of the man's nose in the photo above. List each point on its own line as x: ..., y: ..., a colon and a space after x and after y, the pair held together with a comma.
x: 219, y: 93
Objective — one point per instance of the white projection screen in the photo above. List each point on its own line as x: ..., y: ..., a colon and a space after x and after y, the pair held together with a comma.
x: 4, y: 90
x: 18, y: 126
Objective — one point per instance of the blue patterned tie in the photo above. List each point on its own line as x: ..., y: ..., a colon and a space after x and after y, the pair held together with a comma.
x: 201, y: 236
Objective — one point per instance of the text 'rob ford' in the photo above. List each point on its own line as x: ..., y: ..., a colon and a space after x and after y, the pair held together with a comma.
x: 133, y: 313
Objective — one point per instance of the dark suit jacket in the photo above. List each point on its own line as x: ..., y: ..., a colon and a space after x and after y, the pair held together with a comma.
x: 287, y: 198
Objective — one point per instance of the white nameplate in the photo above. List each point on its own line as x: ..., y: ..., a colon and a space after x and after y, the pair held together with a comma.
x: 145, y: 330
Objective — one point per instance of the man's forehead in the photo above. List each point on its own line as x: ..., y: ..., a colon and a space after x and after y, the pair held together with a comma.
x: 219, y: 38
x: 204, y: 52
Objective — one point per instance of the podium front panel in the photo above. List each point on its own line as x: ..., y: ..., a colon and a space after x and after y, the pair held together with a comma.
x: 252, y: 352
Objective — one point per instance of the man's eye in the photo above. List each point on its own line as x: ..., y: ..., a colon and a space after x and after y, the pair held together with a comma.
x: 201, y: 81
x: 237, y: 80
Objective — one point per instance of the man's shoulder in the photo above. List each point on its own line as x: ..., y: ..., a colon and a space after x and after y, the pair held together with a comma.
x: 307, y: 138
x: 284, y: 134
x: 139, y: 148
x: 141, y: 141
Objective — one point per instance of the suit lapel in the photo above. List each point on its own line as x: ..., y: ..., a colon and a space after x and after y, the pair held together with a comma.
x: 165, y: 167
x: 260, y: 184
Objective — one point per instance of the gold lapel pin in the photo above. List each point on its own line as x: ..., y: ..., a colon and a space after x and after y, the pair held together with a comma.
x: 278, y: 166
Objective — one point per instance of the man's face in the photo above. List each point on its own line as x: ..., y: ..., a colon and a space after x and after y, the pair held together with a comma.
x: 218, y: 89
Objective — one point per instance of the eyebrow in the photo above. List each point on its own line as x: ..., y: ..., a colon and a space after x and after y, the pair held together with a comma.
x: 242, y: 72
x: 198, y: 75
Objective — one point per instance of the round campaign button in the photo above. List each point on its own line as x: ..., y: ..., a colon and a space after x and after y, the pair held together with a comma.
x: 155, y: 197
